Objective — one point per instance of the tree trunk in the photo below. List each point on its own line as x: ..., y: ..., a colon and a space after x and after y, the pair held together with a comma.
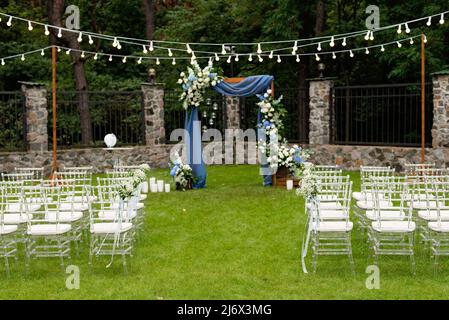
x: 55, y: 9
x: 148, y: 6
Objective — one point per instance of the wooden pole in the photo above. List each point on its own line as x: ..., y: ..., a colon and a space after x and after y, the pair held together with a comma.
x: 54, y: 166
x: 423, y: 98
x: 272, y: 88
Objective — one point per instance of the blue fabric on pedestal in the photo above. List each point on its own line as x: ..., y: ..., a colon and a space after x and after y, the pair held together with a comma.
x: 267, y: 178
x: 194, y: 149
x: 254, y: 85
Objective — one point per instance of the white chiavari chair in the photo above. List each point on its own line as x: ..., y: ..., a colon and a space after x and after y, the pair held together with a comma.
x: 8, y: 233
x: 37, y: 173
x: 410, y: 168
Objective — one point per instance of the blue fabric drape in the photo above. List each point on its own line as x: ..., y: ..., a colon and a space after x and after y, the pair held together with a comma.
x: 254, y: 85
x: 193, y: 147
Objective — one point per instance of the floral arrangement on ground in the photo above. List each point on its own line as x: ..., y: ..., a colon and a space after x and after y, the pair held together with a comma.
x: 182, y: 173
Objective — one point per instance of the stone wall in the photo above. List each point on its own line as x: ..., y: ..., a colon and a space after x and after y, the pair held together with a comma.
x: 153, y: 101
x: 232, y: 112
x: 440, y: 129
x: 319, y: 95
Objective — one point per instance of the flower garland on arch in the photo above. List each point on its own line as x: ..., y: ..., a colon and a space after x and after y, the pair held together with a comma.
x: 194, y: 83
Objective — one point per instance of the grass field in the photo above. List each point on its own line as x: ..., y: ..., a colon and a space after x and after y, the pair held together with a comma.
x: 233, y: 240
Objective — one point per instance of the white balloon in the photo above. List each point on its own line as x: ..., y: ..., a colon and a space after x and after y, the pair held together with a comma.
x: 110, y: 140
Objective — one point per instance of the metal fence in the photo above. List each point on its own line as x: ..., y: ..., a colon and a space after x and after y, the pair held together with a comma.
x: 118, y: 112
x: 296, y: 122
x: 380, y: 115
x: 211, y: 112
x: 12, y: 120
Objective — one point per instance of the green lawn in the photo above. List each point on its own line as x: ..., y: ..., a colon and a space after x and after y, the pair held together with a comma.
x: 233, y: 240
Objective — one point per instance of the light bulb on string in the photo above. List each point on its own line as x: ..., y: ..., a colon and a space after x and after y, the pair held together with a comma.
x: 3, y: 62
x: 96, y: 56
x: 344, y: 42
x: 429, y: 22
x: 250, y: 57
x: 139, y: 61
x: 399, y: 29
x: 317, y: 57
x: 411, y: 41
x: 271, y: 55
x: 91, y: 41
x: 295, y: 47
x: 236, y: 58
x: 193, y: 55
x: 114, y: 43
x: 119, y: 46
x: 319, y: 47
x: 382, y: 48
x: 23, y: 57
x: 189, y: 50
x: 366, y: 51
x: 144, y: 49
x: 157, y: 61
x: 371, y: 37
x: 30, y: 26
x: 223, y: 50
x: 399, y: 44
x: 217, y: 58
x: 367, y: 35
x: 83, y: 55
x: 260, y: 58
x: 407, y: 29
x: 9, y: 22
x: 110, y: 58
x: 332, y: 43
x: 42, y: 52
x: 334, y: 56
x: 60, y: 33
x: 59, y: 49
x: 425, y: 39
x: 170, y: 54
x: 68, y: 51
x: 351, y: 54
x: 279, y: 59
x: 46, y: 32
x: 174, y: 61
x: 210, y: 63
x: 229, y: 59
x: 259, y: 49
x: 124, y: 59
x: 297, y: 58
x: 442, y: 19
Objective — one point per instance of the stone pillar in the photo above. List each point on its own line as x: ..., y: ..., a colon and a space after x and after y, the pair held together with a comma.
x: 320, y: 91
x: 232, y: 113
x: 153, y: 104
x: 440, y: 128
x: 35, y: 99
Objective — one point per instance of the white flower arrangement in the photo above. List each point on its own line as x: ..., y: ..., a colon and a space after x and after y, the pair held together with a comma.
x: 194, y: 82
x: 182, y: 173
x: 272, y: 112
x: 308, y: 187
x: 128, y: 187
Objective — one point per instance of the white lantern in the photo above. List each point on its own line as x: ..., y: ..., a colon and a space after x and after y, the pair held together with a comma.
x: 110, y: 140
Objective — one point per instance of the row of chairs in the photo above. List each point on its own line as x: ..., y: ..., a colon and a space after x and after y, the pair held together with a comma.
x: 49, y: 217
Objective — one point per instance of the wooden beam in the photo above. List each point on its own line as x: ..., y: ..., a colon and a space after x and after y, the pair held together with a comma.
x: 54, y: 166
x: 234, y: 80
x: 423, y: 99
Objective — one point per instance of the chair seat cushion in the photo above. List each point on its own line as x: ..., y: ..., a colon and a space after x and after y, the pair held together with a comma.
x: 82, y: 199
x: 7, y: 229
x: 110, y: 227
x: 48, y: 229
x: 16, y: 218
x: 76, y: 206
x: 332, y: 214
x: 112, y: 214
x: 422, y: 204
x: 439, y: 227
x: 432, y: 215
x: 18, y: 208
x: 332, y: 226
x: 143, y: 196
x: 360, y: 196
x: 63, y: 216
x: 394, y: 226
x: 369, y: 204
x: 139, y: 205
x: 385, y: 215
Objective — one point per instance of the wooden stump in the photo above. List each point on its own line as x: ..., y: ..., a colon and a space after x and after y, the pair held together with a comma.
x: 281, y: 177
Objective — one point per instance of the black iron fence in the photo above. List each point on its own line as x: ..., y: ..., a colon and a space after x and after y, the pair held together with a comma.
x: 211, y: 112
x: 296, y: 122
x: 12, y: 120
x: 117, y: 112
x: 380, y: 115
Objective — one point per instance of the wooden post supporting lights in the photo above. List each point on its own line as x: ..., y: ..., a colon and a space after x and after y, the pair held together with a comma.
x: 54, y: 166
x: 423, y: 98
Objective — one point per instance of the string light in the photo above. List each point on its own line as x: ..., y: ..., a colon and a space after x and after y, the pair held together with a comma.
x: 372, y: 36
x: 351, y: 54
x: 425, y: 39
x: 366, y: 51
x: 217, y: 58
x: 170, y: 54
x: 411, y: 41
x: 114, y: 43
x: 124, y: 59
x: 80, y: 37
x: 334, y: 56
x: 367, y: 35
x: 297, y: 58
x: 399, y: 29
x: 429, y: 22
x: 382, y: 48
x: 139, y: 61
x: 110, y: 57
x: 279, y: 59
x: 83, y: 55
x: 68, y: 51
x: 96, y: 56
x: 332, y: 43
x: 260, y: 58
x: 317, y: 57
x: 442, y: 19
x: 271, y: 55
x: 42, y: 52
x: 9, y: 22
x: 319, y: 47
x: 151, y: 46
x: 399, y: 44
x: 3, y: 62
x: 259, y: 49
x: 236, y: 58
x: 157, y: 61
x: 174, y: 61
x: 23, y: 57
x: 295, y: 47
x: 229, y: 59
x: 46, y: 32
x: 30, y: 27
x: 344, y: 42
x: 189, y: 50
x: 91, y: 41
x: 119, y: 46
x: 223, y: 50
x: 144, y: 49
x: 59, y: 33
x: 59, y: 49
x: 250, y: 58
x: 407, y: 29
